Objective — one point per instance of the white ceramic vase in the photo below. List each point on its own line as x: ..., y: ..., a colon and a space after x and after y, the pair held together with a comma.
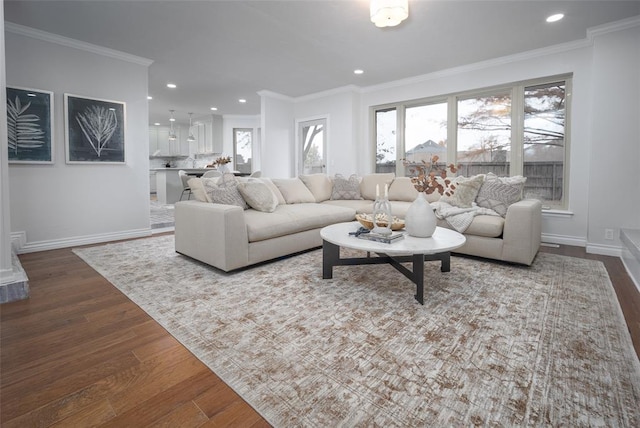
x: 420, y: 221
x: 223, y: 168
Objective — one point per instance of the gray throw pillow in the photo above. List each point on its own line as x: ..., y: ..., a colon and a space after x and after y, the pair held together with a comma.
x: 498, y: 195
x: 258, y: 196
x: 225, y: 191
x: 343, y: 188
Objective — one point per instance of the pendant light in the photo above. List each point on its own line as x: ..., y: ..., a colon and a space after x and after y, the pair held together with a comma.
x: 190, y: 138
x: 172, y: 133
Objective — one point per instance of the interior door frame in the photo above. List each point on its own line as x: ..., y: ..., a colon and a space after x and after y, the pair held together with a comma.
x: 299, y: 123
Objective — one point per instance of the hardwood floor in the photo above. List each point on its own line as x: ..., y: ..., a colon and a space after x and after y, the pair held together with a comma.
x: 79, y: 353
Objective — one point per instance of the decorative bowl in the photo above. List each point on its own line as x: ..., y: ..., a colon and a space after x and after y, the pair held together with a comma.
x: 366, y: 220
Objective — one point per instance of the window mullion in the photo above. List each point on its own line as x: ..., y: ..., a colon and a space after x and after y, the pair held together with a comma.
x: 452, y: 129
x: 400, y: 143
x: 516, y: 163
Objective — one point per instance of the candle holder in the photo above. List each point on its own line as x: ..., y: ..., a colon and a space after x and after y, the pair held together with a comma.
x: 382, y: 210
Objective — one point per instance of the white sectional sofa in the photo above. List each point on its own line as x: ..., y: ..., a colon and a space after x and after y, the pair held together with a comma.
x: 230, y: 237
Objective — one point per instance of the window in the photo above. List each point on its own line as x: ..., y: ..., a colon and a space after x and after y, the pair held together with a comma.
x: 242, y: 149
x: 312, y: 136
x: 512, y: 130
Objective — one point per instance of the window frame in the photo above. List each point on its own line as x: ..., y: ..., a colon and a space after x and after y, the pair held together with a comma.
x: 516, y: 91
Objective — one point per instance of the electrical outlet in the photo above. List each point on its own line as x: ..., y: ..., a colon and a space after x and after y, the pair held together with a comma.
x: 608, y: 234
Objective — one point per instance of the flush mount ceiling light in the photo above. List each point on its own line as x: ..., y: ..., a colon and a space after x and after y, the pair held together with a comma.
x: 388, y: 13
x: 190, y: 138
x: 172, y: 133
x: 556, y: 17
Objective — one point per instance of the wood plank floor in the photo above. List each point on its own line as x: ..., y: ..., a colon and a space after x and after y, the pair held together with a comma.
x: 79, y: 353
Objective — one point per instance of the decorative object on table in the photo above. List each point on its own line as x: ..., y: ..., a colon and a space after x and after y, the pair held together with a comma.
x: 29, y: 125
x: 431, y: 177
x: 385, y: 239
x: 221, y: 163
x: 420, y: 221
x: 366, y: 220
x: 94, y: 130
x: 382, y: 209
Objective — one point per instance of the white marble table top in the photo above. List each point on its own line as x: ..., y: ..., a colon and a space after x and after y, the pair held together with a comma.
x: 443, y: 240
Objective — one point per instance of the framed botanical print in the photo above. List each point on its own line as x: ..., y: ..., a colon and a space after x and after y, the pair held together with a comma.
x: 94, y: 130
x: 30, y: 125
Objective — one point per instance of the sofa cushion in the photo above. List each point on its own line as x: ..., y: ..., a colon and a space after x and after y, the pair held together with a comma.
x: 319, y: 185
x: 462, y: 191
x: 346, y: 189
x: 294, y: 218
x: 489, y: 226
x: 498, y: 195
x: 370, y: 181
x: 359, y: 205
x: 293, y: 190
x: 197, y: 189
x: 274, y: 189
x: 402, y: 189
x: 258, y: 196
x: 224, y: 190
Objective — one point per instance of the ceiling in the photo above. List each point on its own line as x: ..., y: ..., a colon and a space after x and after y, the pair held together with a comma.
x: 217, y: 52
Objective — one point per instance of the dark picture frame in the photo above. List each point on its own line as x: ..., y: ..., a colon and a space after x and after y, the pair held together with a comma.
x: 30, y: 125
x: 94, y: 130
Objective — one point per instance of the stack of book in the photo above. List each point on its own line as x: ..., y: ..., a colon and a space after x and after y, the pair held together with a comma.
x: 387, y: 239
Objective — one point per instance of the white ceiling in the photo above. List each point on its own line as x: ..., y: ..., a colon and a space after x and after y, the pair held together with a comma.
x: 220, y: 51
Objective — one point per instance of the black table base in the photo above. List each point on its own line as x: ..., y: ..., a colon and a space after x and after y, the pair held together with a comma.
x: 331, y: 258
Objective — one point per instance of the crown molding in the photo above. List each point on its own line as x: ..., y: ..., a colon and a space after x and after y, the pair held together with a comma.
x: 592, y: 33
x: 271, y: 94
x: 330, y: 92
x: 73, y: 43
x: 612, y: 27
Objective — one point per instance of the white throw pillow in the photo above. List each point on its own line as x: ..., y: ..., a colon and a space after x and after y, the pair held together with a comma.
x: 197, y: 189
x: 293, y: 190
x: 258, y: 196
x: 319, y: 185
x: 369, y: 182
x: 462, y: 191
x: 402, y: 189
x: 274, y: 189
x: 497, y: 193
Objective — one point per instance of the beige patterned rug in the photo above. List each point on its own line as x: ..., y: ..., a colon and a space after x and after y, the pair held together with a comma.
x: 494, y: 345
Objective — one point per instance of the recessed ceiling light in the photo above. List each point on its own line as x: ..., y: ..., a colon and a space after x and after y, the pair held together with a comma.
x: 171, y: 85
x: 149, y: 97
x: 157, y: 124
x: 214, y: 108
x: 242, y: 100
x: 358, y: 71
x: 556, y: 17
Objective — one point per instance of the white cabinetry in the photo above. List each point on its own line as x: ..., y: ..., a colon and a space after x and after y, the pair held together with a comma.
x: 160, y: 145
x: 208, y: 133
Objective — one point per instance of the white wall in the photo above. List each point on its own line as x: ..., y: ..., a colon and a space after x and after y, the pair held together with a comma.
x: 341, y: 110
x: 61, y: 205
x: 277, y: 151
x: 614, y: 185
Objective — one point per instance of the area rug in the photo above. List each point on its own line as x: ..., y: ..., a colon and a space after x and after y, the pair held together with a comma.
x: 493, y: 345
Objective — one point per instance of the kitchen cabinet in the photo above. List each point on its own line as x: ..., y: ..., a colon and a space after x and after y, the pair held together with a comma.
x: 160, y: 145
x: 208, y: 133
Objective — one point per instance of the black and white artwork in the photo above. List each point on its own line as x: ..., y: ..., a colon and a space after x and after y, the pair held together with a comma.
x: 29, y: 125
x: 94, y: 130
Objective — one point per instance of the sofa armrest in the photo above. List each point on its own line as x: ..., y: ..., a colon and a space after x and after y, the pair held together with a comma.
x: 215, y: 234
x: 522, y: 231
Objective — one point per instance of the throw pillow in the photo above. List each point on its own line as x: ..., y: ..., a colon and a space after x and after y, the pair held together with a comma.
x: 402, y: 189
x: 497, y: 195
x: 274, y: 189
x: 258, y: 196
x: 369, y: 182
x: 293, y: 190
x: 224, y: 190
x: 343, y: 188
x: 197, y: 189
x: 319, y: 184
x: 462, y: 191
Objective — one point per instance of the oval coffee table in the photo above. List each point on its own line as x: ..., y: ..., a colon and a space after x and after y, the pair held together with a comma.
x: 407, y: 249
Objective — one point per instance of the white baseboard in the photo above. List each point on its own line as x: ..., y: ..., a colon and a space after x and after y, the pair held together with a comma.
x: 604, y: 250
x: 564, y: 240
x: 18, y: 240
x: 32, y: 247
